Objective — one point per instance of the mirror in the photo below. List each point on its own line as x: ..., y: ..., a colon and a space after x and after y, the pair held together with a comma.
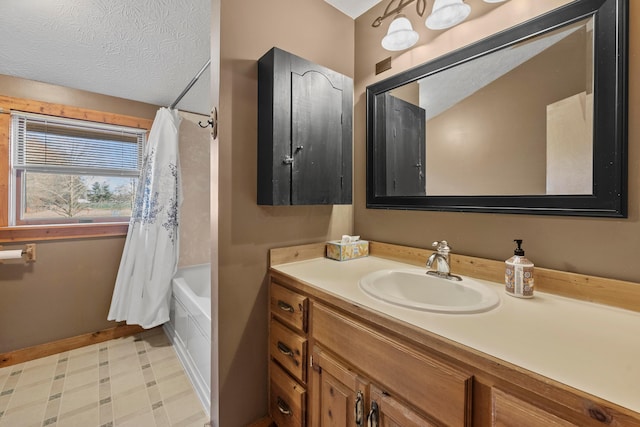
x: 531, y: 120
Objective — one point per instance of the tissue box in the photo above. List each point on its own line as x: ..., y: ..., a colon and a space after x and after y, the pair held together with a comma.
x: 346, y: 251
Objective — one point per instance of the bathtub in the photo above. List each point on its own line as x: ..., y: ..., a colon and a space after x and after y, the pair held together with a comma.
x: 189, y: 327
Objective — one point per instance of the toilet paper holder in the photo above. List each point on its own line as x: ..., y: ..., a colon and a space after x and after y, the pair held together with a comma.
x: 27, y: 254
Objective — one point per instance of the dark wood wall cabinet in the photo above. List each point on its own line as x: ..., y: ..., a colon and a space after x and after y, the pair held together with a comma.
x: 304, y: 132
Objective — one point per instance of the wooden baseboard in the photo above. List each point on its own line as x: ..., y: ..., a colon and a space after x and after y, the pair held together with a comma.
x: 67, y: 344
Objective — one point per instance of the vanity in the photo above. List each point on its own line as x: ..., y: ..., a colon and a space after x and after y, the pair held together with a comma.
x: 338, y: 356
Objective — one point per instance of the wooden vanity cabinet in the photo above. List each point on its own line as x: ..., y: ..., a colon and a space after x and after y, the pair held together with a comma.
x: 304, y: 132
x: 402, y: 378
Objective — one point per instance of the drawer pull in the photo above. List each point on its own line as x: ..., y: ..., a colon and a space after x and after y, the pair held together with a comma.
x: 282, y: 348
x: 285, y: 307
x: 283, y: 407
x: 359, y: 409
x: 373, y: 418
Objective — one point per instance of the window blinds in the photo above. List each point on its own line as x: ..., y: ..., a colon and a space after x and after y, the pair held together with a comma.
x: 55, y: 145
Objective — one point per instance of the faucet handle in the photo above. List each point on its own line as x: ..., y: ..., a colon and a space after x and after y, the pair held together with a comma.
x: 442, y: 247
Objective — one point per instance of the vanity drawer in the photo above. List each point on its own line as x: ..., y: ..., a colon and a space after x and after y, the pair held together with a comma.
x: 429, y: 385
x: 289, y: 349
x: 290, y: 307
x: 286, y: 399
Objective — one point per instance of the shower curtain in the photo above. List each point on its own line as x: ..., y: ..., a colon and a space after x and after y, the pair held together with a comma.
x: 150, y: 257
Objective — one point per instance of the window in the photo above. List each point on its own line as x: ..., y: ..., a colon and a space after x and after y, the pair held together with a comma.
x: 72, y: 171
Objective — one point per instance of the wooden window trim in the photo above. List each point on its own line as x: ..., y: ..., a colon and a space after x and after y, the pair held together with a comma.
x: 52, y: 232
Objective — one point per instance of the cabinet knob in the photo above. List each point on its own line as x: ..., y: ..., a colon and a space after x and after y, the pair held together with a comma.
x: 287, y: 160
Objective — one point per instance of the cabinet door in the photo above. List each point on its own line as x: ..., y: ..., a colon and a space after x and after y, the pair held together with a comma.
x: 340, y: 396
x: 440, y: 390
x: 385, y: 411
x: 404, y: 171
x: 510, y: 411
x: 316, y: 139
x: 304, y: 132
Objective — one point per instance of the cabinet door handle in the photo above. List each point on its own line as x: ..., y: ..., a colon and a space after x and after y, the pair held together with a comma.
x: 374, y: 415
x: 283, y: 407
x: 359, y: 409
x: 285, y: 307
x: 282, y: 348
x: 287, y: 160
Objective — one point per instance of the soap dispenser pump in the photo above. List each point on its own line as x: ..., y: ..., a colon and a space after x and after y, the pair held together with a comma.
x: 518, y: 276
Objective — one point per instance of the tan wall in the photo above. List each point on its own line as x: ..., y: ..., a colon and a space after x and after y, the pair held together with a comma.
x: 499, y: 147
x: 316, y: 31
x: 602, y: 247
x: 195, y: 243
x: 67, y: 291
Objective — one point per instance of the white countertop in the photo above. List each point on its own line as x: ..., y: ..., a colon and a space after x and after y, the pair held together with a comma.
x: 591, y: 347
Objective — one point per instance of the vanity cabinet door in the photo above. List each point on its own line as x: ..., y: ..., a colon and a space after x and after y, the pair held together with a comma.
x: 340, y: 395
x: 434, y: 388
x: 385, y: 411
x: 511, y: 411
x: 304, y: 132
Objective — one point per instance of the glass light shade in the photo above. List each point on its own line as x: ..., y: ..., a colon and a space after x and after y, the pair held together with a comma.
x: 494, y: 1
x: 447, y: 13
x: 400, y: 35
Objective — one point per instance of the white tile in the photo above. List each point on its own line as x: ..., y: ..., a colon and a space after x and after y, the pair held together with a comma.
x: 85, y: 418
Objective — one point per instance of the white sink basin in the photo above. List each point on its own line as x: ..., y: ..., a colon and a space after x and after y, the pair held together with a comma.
x: 413, y: 288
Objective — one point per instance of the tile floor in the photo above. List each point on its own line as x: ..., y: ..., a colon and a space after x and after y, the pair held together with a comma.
x: 134, y: 381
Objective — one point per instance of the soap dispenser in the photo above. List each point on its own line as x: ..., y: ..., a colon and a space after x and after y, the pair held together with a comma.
x: 518, y: 276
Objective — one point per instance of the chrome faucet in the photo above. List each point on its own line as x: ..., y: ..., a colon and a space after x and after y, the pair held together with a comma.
x: 441, y: 258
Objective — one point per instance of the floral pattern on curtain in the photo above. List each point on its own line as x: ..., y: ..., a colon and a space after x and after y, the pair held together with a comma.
x: 150, y: 257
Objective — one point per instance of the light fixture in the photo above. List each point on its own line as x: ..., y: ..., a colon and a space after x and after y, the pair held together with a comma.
x: 447, y: 13
x: 494, y: 1
x: 400, y: 35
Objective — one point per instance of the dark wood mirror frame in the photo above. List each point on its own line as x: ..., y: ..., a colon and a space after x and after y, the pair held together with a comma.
x: 609, y: 198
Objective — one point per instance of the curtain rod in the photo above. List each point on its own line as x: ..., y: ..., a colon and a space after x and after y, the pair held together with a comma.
x: 190, y: 85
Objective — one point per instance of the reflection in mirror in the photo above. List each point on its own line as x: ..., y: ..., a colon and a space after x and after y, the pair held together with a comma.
x: 514, y: 122
x: 509, y: 124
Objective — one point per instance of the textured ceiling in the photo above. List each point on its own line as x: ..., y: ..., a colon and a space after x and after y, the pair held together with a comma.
x: 144, y: 50
x: 443, y: 90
